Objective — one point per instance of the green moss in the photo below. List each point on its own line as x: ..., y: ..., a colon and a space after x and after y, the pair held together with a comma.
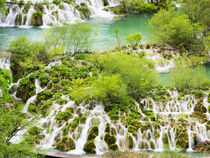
x: 182, y: 137
x: 114, y: 147
x: 26, y: 89
x: 64, y: 115
x: 110, y: 140
x: 34, y: 131
x: 74, y: 123
x: 44, y: 79
x: 129, y: 142
x: 32, y: 108
x: 93, y: 133
x: 90, y: 147
x: 65, y: 144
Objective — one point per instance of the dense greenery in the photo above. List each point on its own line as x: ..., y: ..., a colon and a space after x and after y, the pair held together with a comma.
x: 2, y: 6
x: 134, y: 39
x: 74, y: 38
x: 190, y: 78
x: 11, y: 120
x: 197, y: 11
x: 5, y: 81
x: 120, y: 80
x: 176, y: 29
x: 30, y: 55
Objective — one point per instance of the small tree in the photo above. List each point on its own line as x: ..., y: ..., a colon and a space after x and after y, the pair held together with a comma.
x: 117, y: 30
x: 134, y: 39
x: 175, y: 29
x: 74, y: 38
x: 190, y: 78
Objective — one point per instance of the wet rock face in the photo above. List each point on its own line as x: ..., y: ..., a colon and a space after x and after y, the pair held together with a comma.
x: 202, y: 147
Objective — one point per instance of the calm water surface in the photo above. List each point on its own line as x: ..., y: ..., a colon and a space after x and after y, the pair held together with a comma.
x: 105, y: 27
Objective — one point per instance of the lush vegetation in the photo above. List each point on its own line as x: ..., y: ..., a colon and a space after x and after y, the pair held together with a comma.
x: 11, y: 121
x: 119, y: 79
x: 190, y: 78
x: 74, y: 38
x: 183, y: 29
x: 5, y: 81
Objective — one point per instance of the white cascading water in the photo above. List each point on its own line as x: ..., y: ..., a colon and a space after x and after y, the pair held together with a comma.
x: 53, y: 14
x: 174, y: 107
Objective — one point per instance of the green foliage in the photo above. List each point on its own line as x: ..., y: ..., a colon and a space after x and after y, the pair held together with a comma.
x: 5, y: 81
x: 63, y: 115
x: 2, y: 6
x: 44, y: 78
x: 138, y: 74
x: 175, y: 29
x: 137, y: 6
x: 190, y: 78
x: 109, y: 88
x: 10, y: 121
x: 57, y: 1
x: 75, y: 122
x: 76, y: 38
x: 197, y: 11
x: 134, y: 39
x: 21, y: 2
x: 30, y: 55
x: 38, y: 13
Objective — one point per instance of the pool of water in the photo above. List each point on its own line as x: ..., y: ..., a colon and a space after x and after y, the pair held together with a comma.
x: 105, y: 27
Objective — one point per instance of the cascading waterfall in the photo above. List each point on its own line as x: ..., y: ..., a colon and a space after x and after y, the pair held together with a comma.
x: 52, y: 14
x: 153, y: 137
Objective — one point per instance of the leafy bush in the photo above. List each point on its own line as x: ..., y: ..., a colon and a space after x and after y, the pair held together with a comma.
x: 134, y: 39
x: 187, y: 77
x: 5, y: 80
x: 176, y: 29
x: 138, y: 74
x: 109, y: 88
x: 76, y: 38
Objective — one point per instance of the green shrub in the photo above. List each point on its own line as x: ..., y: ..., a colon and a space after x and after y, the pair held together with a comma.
x: 190, y: 78
x: 134, y: 39
x: 57, y: 1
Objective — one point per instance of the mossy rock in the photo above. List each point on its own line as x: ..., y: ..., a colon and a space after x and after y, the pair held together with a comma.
x: 202, y: 147
x: 152, y: 145
x: 106, y: 2
x: 114, y: 147
x: 18, y: 19
x: 26, y: 89
x: 65, y: 144
x: 165, y: 139
x: 34, y: 131
x: 129, y: 142
x: 182, y: 138
x: 109, y: 139
x: 36, y: 19
x: 90, y: 147
x: 199, y: 107
x: 84, y: 10
x: 93, y: 133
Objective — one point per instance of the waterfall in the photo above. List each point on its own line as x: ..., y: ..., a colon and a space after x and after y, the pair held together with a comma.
x: 52, y: 14
x: 168, y: 113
